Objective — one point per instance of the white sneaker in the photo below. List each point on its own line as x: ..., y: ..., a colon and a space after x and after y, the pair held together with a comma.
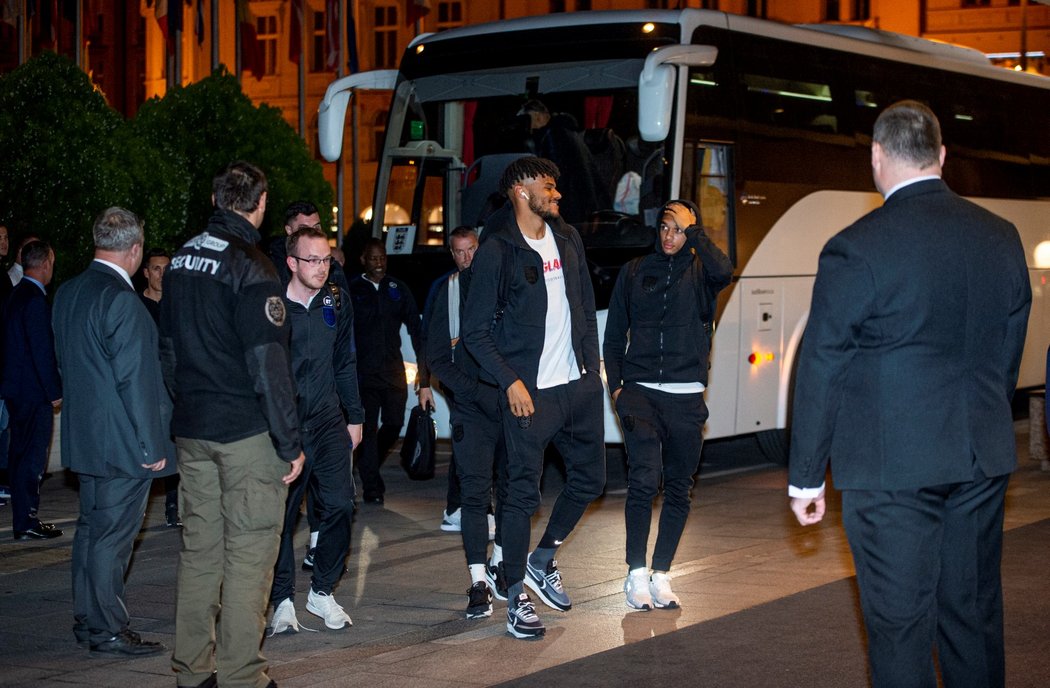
x: 660, y: 591
x: 324, y: 605
x: 636, y: 587
x: 492, y: 528
x: 284, y: 619
x: 452, y: 523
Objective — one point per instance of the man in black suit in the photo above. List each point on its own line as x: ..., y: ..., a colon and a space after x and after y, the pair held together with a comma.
x: 907, y: 368
x: 115, y: 434
x: 31, y: 388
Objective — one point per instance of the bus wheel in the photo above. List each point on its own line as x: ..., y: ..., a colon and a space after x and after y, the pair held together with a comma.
x: 774, y: 445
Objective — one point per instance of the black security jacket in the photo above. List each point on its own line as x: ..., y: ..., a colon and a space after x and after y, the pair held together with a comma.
x: 224, y: 340
x: 380, y: 314
x: 659, y: 306
x: 505, y: 264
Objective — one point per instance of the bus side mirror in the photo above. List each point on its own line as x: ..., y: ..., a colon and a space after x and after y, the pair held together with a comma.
x: 331, y: 113
x: 656, y: 85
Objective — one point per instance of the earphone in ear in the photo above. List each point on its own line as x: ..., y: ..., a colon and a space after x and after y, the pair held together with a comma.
x: 522, y: 194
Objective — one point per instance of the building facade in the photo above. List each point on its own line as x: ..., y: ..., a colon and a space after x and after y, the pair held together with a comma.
x: 131, y: 55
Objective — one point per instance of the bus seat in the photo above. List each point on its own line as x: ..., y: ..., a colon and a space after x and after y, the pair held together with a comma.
x: 476, y: 193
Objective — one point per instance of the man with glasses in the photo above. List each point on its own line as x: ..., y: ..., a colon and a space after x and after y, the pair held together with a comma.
x: 304, y: 215
x: 324, y: 364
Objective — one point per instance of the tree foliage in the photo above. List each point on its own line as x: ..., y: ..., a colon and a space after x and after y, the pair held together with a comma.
x: 68, y: 156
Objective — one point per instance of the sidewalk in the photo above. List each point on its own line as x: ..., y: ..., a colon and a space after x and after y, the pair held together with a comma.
x: 407, y: 584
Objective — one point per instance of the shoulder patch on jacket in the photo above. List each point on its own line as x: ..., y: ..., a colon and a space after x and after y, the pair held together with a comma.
x: 275, y: 312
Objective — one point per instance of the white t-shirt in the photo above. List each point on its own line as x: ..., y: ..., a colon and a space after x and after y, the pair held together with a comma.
x: 557, y: 361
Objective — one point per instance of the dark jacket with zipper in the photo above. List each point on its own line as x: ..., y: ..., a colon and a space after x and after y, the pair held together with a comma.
x: 659, y: 306
x: 324, y: 359
x: 508, y: 346
x: 224, y: 340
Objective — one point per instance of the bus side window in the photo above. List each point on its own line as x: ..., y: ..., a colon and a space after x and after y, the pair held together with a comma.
x: 712, y: 184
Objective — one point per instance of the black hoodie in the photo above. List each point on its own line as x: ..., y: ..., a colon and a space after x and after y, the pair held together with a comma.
x: 660, y: 304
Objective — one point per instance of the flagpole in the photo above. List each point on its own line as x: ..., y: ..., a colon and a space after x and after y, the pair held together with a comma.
x: 215, y: 34
x: 302, y: 71
x: 21, y: 27
x: 78, y: 32
x: 355, y: 159
x: 339, y: 164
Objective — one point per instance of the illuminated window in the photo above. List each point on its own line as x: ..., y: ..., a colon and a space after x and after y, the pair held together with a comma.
x: 266, y: 32
x: 385, y: 36
x: 449, y: 14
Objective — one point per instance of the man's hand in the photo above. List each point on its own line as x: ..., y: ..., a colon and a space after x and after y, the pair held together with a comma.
x: 56, y: 403
x: 426, y: 397
x: 616, y: 394
x: 158, y: 466
x: 519, y: 400
x: 296, y: 469
x: 806, y: 515
x: 354, y: 430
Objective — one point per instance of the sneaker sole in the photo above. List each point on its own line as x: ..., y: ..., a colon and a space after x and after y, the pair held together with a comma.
x: 449, y: 528
x: 669, y: 605
x: 639, y: 607
x: 480, y: 615
x: 534, y: 634
x: 541, y: 592
x: 327, y: 625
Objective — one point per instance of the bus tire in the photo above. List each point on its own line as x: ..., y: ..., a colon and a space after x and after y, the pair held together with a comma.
x: 774, y: 445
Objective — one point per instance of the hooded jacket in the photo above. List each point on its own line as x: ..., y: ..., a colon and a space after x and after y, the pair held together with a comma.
x: 659, y: 305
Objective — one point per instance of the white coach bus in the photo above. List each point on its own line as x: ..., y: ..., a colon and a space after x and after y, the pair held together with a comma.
x: 766, y: 126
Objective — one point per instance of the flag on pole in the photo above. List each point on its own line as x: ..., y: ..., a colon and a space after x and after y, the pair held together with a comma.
x: 331, y: 34
x: 295, y: 41
x: 252, y: 59
x: 351, y: 39
x: 417, y: 9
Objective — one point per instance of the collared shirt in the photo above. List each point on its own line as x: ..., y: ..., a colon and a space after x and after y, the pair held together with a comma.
x: 120, y: 271
x: 36, y: 282
x: 908, y: 182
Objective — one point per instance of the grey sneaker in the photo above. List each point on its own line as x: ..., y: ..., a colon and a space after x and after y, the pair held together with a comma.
x: 284, y: 620
x: 522, y: 621
x: 452, y: 523
x: 547, y: 584
x: 308, y: 560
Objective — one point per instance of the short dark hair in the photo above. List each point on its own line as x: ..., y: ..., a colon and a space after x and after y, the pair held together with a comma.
x: 525, y: 168
x: 156, y: 253
x: 35, y: 253
x: 299, y: 208
x: 239, y: 187
x: 909, y: 131
x: 370, y: 242
x: 462, y: 231
x: 291, y: 244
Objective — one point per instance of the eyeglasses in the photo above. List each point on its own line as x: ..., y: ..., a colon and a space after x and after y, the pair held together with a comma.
x: 315, y: 262
x: 677, y: 231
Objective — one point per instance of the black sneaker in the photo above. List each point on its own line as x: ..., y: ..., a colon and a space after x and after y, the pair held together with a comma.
x: 308, y: 560
x: 522, y: 621
x: 497, y: 580
x: 479, y: 601
x: 171, y: 516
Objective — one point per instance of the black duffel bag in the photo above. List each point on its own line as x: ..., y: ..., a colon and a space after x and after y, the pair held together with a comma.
x: 417, y: 451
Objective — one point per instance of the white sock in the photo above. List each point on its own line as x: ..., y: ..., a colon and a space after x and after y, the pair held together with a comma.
x: 477, y: 573
x: 313, y: 538
x: 638, y: 572
x: 497, y: 555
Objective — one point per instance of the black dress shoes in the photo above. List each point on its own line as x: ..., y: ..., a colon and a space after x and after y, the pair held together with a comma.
x: 127, y: 644
x: 41, y: 531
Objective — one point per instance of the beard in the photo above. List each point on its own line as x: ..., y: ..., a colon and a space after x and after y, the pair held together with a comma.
x: 548, y: 214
